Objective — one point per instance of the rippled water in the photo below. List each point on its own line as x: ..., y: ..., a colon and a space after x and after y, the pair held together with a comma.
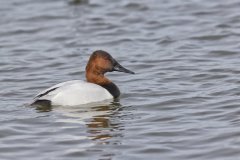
x: 183, y: 103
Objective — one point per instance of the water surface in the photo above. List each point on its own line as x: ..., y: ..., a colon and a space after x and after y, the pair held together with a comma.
x: 183, y: 103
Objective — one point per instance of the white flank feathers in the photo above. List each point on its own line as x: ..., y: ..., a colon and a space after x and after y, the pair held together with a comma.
x: 75, y: 92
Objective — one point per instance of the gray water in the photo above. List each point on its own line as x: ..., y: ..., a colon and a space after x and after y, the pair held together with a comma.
x: 182, y: 103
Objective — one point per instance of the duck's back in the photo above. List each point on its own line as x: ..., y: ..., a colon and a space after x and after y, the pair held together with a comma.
x: 74, y: 92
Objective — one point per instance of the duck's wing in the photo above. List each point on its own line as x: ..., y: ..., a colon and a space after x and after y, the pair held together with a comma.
x: 50, y: 90
x: 74, y: 93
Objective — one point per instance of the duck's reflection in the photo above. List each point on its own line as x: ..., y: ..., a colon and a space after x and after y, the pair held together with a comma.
x: 103, y: 121
x: 106, y: 125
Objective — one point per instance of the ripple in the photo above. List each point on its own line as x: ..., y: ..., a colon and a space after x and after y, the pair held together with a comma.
x: 136, y: 6
x: 210, y: 37
x: 223, y: 53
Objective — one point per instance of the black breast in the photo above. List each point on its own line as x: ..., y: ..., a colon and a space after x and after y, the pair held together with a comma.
x: 112, y: 89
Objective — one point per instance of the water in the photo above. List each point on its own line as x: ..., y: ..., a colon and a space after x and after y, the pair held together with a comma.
x: 183, y: 103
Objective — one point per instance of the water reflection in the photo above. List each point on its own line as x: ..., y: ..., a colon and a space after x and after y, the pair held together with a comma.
x: 102, y: 120
x: 103, y: 126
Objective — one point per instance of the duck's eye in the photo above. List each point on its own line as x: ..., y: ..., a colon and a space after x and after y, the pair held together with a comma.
x: 105, y: 58
x: 114, y: 63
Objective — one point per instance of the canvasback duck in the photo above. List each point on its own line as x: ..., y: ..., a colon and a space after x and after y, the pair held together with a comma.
x: 96, y: 88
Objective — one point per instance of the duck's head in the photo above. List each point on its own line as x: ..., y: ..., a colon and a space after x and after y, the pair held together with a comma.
x: 101, y: 62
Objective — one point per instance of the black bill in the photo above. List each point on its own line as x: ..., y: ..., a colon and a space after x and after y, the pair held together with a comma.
x: 120, y: 68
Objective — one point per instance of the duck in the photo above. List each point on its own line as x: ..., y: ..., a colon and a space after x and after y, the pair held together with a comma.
x: 97, y: 87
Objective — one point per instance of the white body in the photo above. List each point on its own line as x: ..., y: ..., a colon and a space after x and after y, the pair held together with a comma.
x: 75, y: 92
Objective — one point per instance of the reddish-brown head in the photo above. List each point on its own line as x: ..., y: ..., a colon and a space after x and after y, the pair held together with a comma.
x: 101, y: 62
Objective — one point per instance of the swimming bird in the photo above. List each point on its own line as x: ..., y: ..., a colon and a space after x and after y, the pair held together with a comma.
x: 96, y: 88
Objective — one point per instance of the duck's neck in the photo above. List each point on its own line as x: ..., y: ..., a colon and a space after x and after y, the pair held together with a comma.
x: 100, y: 79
